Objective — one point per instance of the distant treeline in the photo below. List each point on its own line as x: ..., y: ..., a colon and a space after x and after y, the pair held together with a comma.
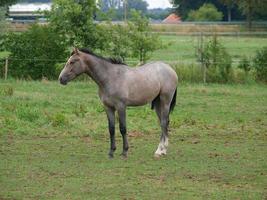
x: 35, y: 1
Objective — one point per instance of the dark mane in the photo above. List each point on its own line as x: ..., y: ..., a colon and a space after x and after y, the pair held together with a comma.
x: 110, y: 60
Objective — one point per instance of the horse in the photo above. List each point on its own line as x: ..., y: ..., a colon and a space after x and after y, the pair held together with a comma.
x: 120, y: 86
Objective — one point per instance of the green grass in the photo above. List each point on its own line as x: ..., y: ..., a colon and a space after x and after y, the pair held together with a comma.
x: 54, y: 143
x: 183, y: 48
x: 4, y: 54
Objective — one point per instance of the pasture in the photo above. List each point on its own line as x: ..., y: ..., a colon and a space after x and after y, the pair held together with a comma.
x: 182, y: 49
x: 54, y: 143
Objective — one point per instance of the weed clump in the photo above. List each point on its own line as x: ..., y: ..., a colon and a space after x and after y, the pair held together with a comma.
x: 8, y: 91
x: 58, y: 119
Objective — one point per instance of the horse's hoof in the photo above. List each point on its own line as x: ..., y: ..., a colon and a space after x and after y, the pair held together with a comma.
x: 110, y: 156
x: 124, y: 155
x: 158, y: 155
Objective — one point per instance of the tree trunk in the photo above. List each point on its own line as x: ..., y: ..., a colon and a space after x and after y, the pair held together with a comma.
x: 229, y: 13
x: 249, y: 16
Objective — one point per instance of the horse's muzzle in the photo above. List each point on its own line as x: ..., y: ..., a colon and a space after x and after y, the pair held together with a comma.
x: 63, y: 81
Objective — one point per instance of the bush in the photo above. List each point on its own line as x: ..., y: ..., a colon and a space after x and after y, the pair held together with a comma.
x: 217, y: 62
x: 188, y: 72
x: 35, y: 52
x: 113, y: 40
x: 245, y: 65
x: 142, y: 40
x: 207, y: 12
x: 260, y: 64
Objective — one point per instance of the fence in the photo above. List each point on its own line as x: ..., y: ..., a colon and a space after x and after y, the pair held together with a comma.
x: 178, y: 57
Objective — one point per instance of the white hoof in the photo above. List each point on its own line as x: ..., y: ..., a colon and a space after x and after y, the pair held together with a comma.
x: 162, y: 148
x: 161, y: 151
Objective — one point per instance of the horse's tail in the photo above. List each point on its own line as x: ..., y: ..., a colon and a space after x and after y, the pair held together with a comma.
x: 173, y: 103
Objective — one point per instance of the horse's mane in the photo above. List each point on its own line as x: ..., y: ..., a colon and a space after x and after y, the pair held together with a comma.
x: 110, y: 60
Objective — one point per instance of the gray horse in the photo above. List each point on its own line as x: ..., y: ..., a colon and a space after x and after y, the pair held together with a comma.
x: 121, y: 86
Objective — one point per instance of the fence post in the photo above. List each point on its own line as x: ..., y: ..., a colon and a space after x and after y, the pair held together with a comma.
x: 6, y: 68
x: 203, y: 66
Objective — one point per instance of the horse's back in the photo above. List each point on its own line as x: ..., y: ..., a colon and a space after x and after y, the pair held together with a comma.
x: 165, y: 72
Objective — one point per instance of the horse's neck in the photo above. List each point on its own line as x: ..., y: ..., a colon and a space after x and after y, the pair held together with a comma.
x: 99, y: 71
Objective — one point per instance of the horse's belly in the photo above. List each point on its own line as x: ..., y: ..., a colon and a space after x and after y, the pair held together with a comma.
x: 141, y: 93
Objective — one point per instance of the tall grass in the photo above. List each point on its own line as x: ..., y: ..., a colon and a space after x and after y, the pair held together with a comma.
x: 192, y: 73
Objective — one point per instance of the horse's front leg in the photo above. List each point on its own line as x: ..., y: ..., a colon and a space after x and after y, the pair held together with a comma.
x: 122, y: 122
x: 111, y: 125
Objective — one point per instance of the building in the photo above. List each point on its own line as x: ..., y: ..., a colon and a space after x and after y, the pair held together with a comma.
x: 28, y: 11
x: 172, y: 19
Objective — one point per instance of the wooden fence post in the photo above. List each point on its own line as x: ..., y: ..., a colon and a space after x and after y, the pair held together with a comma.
x: 6, y: 68
x: 203, y: 65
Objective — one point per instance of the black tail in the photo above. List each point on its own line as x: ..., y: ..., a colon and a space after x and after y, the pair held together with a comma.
x: 173, y: 103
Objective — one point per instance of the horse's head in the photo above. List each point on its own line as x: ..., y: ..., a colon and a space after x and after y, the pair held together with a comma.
x: 74, y: 67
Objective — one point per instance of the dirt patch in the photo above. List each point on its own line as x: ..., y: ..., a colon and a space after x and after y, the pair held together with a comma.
x: 135, y: 134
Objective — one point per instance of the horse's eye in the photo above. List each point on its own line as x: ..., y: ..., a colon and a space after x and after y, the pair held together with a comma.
x: 72, y: 62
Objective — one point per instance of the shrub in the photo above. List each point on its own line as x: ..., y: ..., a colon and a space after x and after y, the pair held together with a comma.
x: 217, y: 61
x: 35, y: 52
x: 143, y: 41
x: 245, y: 65
x: 113, y: 40
x: 73, y: 20
x: 188, y: 73
x: 260, y: 64
x: 207, y: 12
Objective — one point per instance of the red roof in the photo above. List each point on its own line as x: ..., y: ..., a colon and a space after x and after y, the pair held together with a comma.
x: 172, y: 18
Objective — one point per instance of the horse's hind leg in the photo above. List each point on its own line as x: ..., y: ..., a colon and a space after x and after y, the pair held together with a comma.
x: 164, y: 121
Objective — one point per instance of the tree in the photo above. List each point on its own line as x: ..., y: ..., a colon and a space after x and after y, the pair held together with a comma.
x: 229, y: 4
x: 4, y: 3
x: 139, y: 5
x: 2, y: 21
x: 143, y: 41
x: 73, y: 20
x: 217, y: 61
x: 35, y: 52
x: 252, y: 7
x: 207, y: 12
x: 183, y: 7
x: 105, y: 5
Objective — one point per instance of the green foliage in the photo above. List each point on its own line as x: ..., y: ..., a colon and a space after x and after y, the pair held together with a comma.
x: 7, y: 91
x: 35, y: 52
x: 260, y: 64
x: 114, y: 40
x: 58, y: 119
x: 188, y: 73
x: 245, y: 64
x: 143, y: 41
x: 7, y: 2
x: 2, y: 22
x: 250, y: 8
x: 207, y: 12
x: 115, y: 9
x: 217, y: 61
x: 73, y: 20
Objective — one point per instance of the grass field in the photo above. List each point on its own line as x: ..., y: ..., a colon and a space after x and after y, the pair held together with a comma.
x: 183, y: 48
x: 54, y: 143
